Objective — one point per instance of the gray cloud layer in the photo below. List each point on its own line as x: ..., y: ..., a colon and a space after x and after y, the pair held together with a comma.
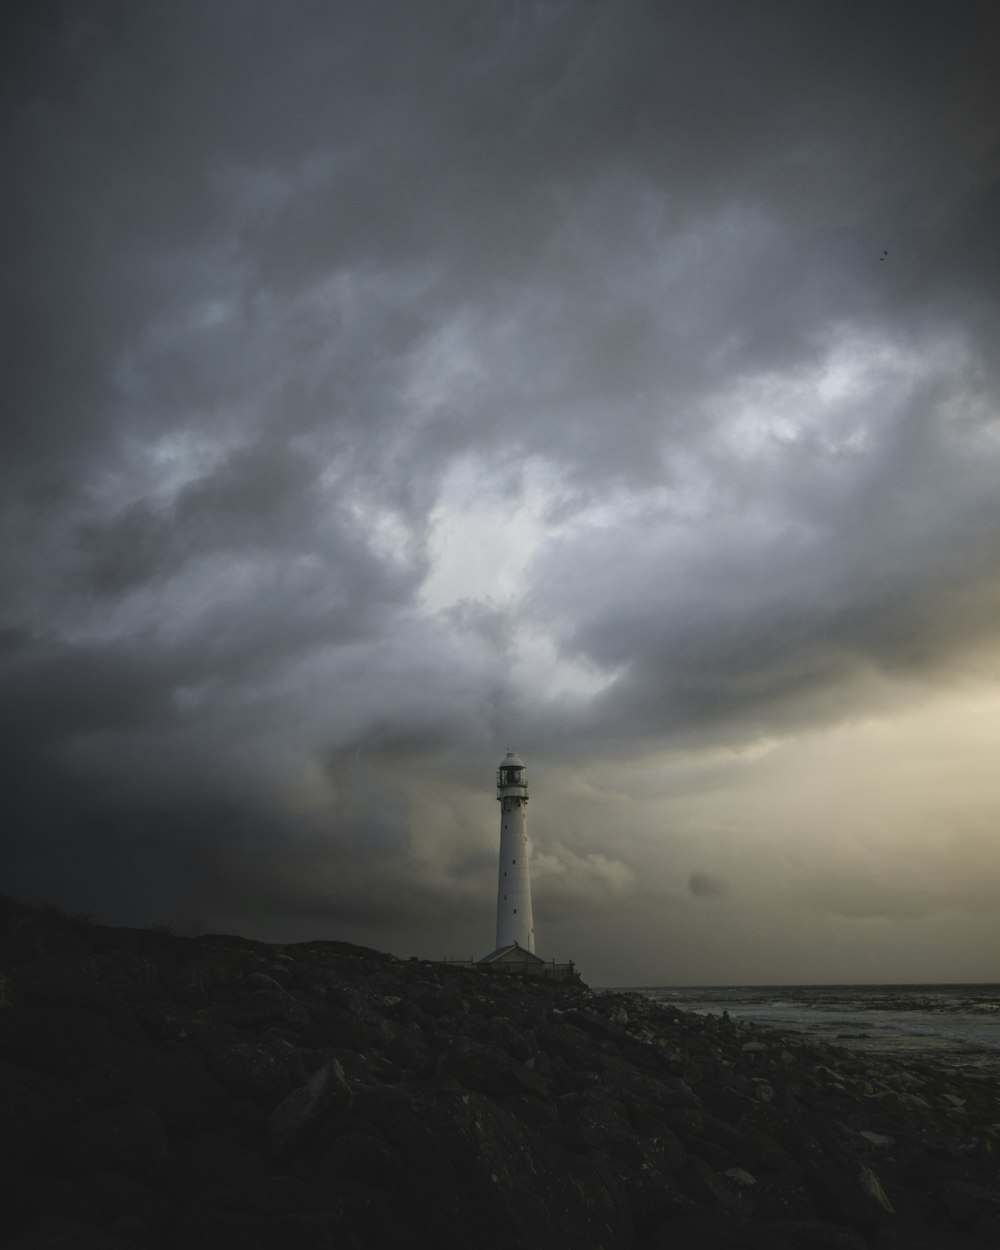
x: 277, y: 277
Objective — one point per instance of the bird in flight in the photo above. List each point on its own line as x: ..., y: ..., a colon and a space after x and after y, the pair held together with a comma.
x: 885, y: 253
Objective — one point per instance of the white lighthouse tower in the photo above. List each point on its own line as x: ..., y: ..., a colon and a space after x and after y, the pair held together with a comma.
x: 515, y: 925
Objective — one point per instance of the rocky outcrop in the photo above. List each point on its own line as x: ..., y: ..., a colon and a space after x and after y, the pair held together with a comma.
x: 215, y: 1093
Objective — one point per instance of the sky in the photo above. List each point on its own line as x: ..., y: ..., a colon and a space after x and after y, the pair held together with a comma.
x: 390, y: 384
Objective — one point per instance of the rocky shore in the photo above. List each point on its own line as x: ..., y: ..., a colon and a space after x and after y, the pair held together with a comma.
x: 217, y: 1093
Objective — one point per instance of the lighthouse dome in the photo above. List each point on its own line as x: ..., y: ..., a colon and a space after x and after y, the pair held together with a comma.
x: 512, y: 760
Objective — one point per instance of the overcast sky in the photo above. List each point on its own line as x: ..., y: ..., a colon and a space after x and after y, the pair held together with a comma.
x: 387, y: 384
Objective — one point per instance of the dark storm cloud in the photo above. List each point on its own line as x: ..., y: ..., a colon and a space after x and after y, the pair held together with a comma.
x: 276, y: 273
x: 52, y: 690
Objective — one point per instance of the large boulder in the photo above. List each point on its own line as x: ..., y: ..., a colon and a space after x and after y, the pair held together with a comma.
x: 297, y: 1116
x: 263, y: 1007
x: 487, y: 1069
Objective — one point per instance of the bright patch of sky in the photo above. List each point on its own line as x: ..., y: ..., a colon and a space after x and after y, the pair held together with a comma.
x: 542, y: 671
x: 830, y: 402
x: 485, y: 529
x: 485, y: 532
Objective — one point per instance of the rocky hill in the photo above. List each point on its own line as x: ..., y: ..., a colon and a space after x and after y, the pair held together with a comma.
x: 216, y: 1093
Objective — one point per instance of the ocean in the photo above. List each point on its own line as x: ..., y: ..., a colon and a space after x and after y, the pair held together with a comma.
x: 954, y: 1027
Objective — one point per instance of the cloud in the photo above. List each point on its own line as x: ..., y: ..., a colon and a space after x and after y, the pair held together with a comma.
x: 387, y: 387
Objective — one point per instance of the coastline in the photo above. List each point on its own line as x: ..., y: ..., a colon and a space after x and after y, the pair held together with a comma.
x: 955, y: 1026
x: 217, y: 1093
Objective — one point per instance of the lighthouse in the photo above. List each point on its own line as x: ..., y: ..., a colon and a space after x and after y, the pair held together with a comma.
x: 515, y: 948
x: 515, y: 926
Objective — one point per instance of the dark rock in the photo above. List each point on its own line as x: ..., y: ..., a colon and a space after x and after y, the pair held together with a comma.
x: 93, y: 1091
x: 144, y: 956
x: 371, y: 1216
x: 974, y: 1208
x: 409, y: 1051
x: 62, y: 981
x: 850, y: 1195
x: 327, y: 1026
x: 434, y: 1000
x: 709, y: 1188
x: 486, y: 1069
x: 325, y: 1094
x: 597, y: 1027
x: 167, y: 1021
x: 187, y: 985
x: 717, y: 1157
x: 125, y: 1024
x: 763, y: 1155
x: 561, y: 1042
x: 161, y: 1092
x: 917, y: 1235
x: 269, y: 1195
x: 725, y: 1135
x: 604, y: 1125
x: 652, y: 1186
x: 250, y: 1068
x: 248, y: 1230
x: 112, y: 1197
x: 262, y: 1007
x: 782, y: 1198
x: 61, y: 1040
x: 364, y: 1157
x: 30, y: 933
x: 24, y: 1124
x: 129, y: 1138
x: 175, y: 1084
x: 505, y: 1035
x: 369, y: 1031
x: 52, y: 1232
x: 134, y: 977
x: 710, y: 1230
x: 265, y: 981
x: 213, y: 1161
x: 505, y: 1187
x: 688, y: 1121
x: 724, y: 1101
x: 530, y: 1110
x: 813, y: 1235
